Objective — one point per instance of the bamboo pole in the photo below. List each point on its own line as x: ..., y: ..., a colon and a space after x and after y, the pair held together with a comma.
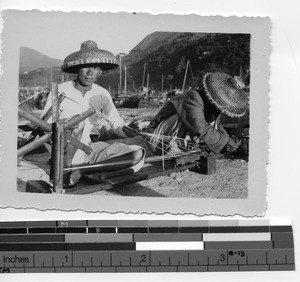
x: 120, y: 75
x: 34, y: 119
x: 125, y: 80
x: 60, y: 184
x: 51, y: 76
x: 184, y: 80
x: 56, y: 141
x: 78, y: 118
x: 147, y: 81
x: 49, y: 111
x: 88, y: 150
x: 55, y: 103
x: 144, y: 72
x: 34, y: 144
x: 45, y: 126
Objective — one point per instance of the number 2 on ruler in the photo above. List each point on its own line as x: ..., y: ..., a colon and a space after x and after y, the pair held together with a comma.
x: 143, y: 258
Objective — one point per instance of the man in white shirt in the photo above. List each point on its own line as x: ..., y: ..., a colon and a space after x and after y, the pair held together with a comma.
x: 82, y: 94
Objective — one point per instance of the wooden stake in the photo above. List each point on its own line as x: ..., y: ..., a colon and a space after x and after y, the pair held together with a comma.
x: 147, y: 81
x: 60, y: 184
x: 49, y: 112
x: 88, y: 150
x: 56, y: 142
x: 34, y: 119
x: 34, y: 144
x: 125, y: 80
x: 55, y: 103
x: 144, y: 72
x: 78, y: 118
x: 184, y: 80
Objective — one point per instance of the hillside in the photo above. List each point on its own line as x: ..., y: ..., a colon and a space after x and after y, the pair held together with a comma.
x: 31, y: 60
x: 162, y: 54
x: 166, y: 54
x: 42, y: 77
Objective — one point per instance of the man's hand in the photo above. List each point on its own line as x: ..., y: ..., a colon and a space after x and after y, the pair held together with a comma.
x: 134, y: 125
x: 233, y: 144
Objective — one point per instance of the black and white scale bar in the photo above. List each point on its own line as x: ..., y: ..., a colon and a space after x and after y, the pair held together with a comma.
x: 142, y: 245
x: 146, y: 226
x: 146, y: 230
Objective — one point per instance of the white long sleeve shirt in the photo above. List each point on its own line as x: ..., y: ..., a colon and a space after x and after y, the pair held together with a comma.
x: 97, y: 98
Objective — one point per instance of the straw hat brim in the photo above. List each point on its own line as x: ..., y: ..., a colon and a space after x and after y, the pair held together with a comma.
x: 225, y: 94
x: 86, y: 57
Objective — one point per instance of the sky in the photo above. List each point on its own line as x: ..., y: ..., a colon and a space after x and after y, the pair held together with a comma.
x: 59, y: 34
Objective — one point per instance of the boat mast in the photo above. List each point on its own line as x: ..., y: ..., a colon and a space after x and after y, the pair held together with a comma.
x: 147, y: 81
x: 144, y: 74
x: 186, y: 70
x: 125, y: 81
x: 120, y: 57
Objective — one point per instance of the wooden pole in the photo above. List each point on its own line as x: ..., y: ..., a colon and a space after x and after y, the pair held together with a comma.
x: 60, y: 184
x: 125, y: 81
x: 78, y: 118
x: 34, y: 144
x: 120, y: 75
x: 162, y: 83
x: 144, y: 72
x: 55, y: 103
x: 34, y: 119
x: 184, y: 80
x: 56, y: 142
x: 47, y: 127
x: 147, y: 81
x: 88, y: 150
x: 51, y: 78
x: 49, y: 112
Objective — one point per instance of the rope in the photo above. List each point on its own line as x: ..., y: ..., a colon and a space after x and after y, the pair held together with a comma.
x: 152, y: 139
x: 30, y: 97
x: 145, y: 135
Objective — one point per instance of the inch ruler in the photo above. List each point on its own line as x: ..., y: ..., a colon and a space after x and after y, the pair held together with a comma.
x: 146, y: 246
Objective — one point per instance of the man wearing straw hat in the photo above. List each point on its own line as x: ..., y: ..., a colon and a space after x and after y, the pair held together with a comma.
x: 197, y: 113
x: 80, y: 95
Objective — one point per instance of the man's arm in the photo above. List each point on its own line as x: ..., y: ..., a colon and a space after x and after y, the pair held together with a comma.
x: 193, y: 108
x: 104, y: 104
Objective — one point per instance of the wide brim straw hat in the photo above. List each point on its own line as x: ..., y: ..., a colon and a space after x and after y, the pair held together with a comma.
x: 226, y: 93
x: 89, y: 55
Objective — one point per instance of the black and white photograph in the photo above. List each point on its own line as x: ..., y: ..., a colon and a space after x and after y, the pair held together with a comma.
x: 132, y: 105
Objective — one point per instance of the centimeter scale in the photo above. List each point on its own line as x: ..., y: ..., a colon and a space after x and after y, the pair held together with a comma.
x: 146, y: 246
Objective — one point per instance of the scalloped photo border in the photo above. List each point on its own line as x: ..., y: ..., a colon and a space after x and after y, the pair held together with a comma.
x: 258, y: 27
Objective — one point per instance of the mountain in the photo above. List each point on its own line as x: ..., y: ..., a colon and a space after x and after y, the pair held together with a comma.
x: 42, y: 77
x: 162, y: 54
x: 151, y: 42
x: 31, y: 60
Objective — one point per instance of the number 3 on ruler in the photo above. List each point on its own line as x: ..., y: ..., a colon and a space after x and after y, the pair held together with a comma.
x: 222, y: 257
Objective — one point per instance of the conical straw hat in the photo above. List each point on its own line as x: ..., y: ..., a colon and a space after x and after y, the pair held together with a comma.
x: 89, y: 54
x: 226, y: 93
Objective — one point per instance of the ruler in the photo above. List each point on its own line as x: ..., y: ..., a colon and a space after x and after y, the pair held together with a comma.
x: 146, y: 246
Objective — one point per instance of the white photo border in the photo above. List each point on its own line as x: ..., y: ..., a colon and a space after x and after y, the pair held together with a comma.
x: 254, y: 205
